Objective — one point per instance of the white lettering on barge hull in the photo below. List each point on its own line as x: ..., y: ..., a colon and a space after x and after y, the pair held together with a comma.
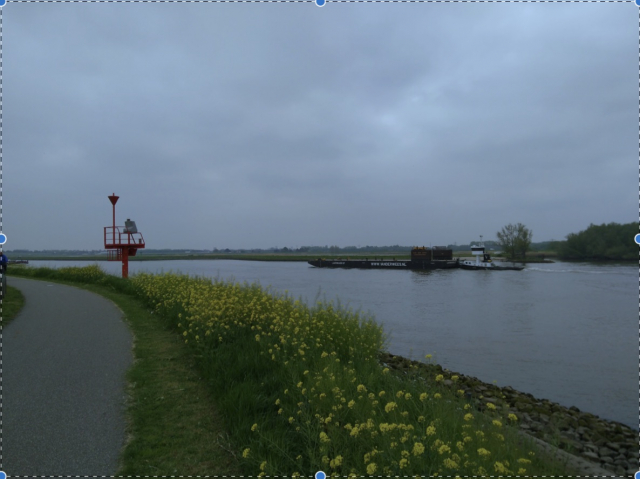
x: 389, y: 263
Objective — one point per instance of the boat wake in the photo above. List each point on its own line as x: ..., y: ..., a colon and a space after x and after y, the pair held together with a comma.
x: 576, y: 271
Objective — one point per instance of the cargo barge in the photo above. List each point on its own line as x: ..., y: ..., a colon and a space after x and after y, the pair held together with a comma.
x: 437, y: 257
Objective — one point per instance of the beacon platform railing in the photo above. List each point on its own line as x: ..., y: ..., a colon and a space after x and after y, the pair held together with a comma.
x: 118, y: 236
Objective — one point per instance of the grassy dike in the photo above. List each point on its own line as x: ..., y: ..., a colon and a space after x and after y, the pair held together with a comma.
x: 230, y: 381
x: 11, y: 305
x: 172, y: 427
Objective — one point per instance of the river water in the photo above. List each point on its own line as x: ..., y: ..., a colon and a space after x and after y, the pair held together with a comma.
x: 567, y: 332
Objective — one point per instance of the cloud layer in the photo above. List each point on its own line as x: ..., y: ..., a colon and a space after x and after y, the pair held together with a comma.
x: 277, y: 124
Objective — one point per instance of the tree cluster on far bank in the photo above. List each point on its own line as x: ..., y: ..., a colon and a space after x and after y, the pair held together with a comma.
x: 611, y: 241
x: 515, y: 240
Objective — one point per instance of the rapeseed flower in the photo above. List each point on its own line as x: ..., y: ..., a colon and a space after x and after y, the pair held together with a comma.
x: 444, y: 448
x: 499, y: 467
x: 450, y: 464
x: 483, y: 452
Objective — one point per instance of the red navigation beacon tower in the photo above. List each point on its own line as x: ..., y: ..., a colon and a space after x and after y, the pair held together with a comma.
x: 122, y: 241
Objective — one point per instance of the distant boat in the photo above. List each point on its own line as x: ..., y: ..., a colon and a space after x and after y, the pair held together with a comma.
x: 486, y: 263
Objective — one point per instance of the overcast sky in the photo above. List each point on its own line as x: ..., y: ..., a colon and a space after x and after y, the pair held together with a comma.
x: 283, y: 124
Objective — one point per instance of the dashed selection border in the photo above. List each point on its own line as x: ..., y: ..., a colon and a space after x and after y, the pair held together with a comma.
x: 4, y: 2
x: 613, y: 475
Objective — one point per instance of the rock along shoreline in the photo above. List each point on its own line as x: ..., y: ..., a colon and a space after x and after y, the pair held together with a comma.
x: 607, y: 445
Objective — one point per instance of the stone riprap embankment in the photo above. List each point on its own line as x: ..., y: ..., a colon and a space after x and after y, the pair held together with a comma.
x: 606, y: 444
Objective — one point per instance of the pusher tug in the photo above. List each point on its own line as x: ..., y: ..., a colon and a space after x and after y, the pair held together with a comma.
x: 486, y: 263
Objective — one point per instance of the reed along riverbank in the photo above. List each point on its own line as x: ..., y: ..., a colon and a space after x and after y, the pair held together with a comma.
x: 302, y: 389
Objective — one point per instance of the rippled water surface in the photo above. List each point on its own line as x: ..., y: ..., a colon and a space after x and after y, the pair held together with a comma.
x: 567, y: 332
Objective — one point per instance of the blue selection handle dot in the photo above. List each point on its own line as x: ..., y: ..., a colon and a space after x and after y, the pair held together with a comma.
x: 321, y: 3
x: 638, y: 3
x: 322, y: 475
x: 3, y: 237
x: 3, y: 475
x: 3, y: 3
x: 637, y: 474
x: 637, y: 238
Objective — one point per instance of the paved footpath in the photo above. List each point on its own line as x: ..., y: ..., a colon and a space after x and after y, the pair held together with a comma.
x: 64, y: 359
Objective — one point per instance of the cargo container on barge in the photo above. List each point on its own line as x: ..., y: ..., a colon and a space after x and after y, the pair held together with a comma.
x: 437, y: 257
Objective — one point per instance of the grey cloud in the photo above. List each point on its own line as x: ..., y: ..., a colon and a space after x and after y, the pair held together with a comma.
x: 251, y: 124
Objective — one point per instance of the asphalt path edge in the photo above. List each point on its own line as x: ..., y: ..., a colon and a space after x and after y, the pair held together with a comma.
x: 64, y: 390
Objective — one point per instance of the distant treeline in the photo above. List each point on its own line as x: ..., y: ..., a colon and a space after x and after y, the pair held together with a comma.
x: 326, y: 250
x: 611, y: 241
x: 54, y: 252
x: 373, y: 249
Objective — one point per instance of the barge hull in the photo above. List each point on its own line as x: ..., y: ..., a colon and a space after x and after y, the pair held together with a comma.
x: 385, y: 264
x: 489, y: 268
